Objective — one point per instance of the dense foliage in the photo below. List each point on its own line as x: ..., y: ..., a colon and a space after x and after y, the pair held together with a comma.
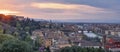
x: 79, y: 49
x: 5, y: 37
x: 15, y: 36
x: 15, y: 46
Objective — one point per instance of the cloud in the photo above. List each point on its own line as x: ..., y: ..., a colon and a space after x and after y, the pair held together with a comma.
x: 53, y: 6
x: 111, y: 4
x: 72, y: 7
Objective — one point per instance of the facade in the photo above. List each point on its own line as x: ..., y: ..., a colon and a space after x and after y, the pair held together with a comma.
x: 48, y: 42
x: 89, y: 44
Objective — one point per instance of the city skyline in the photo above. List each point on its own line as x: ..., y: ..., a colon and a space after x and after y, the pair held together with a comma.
x: 64, y: 10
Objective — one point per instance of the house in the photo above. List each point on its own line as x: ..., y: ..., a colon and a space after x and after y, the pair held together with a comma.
x: 89, y: 44
x: 37, y: 33
x: 48, y: 42
x: 64, y: 45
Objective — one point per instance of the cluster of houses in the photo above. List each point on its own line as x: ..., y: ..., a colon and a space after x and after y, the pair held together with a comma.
x: 71, y: 35
x: 56, y: 39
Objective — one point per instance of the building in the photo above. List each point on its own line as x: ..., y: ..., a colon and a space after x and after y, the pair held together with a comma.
x: 113, y: 44
x: 48, y: 42
x: 38, y: 33
x: 89, y: 44
x: 64, y: 45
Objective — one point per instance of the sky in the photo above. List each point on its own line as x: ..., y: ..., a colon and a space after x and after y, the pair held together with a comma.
x: 64, y: 10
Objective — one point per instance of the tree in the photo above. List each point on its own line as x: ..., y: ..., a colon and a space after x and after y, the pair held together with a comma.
x: 4, y: 31
x: 1, y: 30
x: 15, y: 46
x: 27, y: 29
x: 37, y: 43
x: 48, y: 49
x: 0, y: 47
x: 16, y: 34
x: 28, y: 39
x: 4, y: 37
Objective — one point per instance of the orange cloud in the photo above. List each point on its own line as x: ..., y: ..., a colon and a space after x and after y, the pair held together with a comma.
x: 70, y: 7
x: 53, y: 6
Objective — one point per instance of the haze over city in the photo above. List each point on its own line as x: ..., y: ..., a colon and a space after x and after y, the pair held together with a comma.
x: 64, y: 10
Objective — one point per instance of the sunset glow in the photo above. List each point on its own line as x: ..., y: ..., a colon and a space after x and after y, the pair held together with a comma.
x: 54, y: 6
x: 7, y: 12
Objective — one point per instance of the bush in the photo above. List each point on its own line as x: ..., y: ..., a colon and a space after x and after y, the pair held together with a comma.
x: 15, y: 46
x: 4, y: 37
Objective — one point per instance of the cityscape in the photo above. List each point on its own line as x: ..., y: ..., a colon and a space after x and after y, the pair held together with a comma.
x: 60, y: 26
